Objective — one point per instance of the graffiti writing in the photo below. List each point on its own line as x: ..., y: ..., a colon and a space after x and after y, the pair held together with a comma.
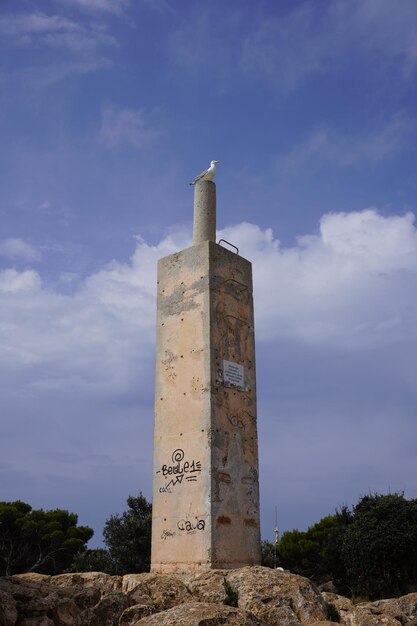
x: 191, y: 527
x: 179, y: 470
x: 167, y: 533
x: 177, y: 455
x: 236, y: 421
x: 194, y: 466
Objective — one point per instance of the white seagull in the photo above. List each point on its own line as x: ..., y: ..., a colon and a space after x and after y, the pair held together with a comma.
x: 207, y: 174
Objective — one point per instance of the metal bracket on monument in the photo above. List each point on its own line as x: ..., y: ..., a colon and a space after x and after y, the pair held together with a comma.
x: 229, y: 244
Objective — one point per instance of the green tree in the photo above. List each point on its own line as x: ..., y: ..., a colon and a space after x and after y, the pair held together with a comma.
x: 379, y: 548
x: 297, y: 552
x: 316, y: 553
x: 37, y: 540
x: 96, y: 560
x: 269, y: 556
x: 128, y: 536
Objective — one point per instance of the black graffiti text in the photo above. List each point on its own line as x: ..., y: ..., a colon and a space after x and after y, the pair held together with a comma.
x: 191, y: 527
x: 179, y: 470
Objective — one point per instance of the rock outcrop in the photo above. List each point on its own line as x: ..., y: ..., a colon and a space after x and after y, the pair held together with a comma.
x: 202, y: 613
x: 250, y: 596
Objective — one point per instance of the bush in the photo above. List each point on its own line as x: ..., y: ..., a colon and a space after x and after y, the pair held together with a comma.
x: 315, y: 553
x: 232, y: 596
x: 269, y: 556
x: 369, y: 551
x: 379, y: 548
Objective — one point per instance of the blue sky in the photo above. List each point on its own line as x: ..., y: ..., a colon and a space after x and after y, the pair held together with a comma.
x: 108, y: 108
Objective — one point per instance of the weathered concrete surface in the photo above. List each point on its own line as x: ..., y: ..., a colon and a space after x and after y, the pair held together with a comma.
x: 234, y: 442
x: 206, y: 493
x: 204, y: 228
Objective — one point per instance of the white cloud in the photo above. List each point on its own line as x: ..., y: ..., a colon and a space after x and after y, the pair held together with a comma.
x: 324, y: 146
x: 100, y: 335
x: 12, y: 281
x: 387, y: 30
x: 352, y: 284
x: 45, y: 206
x: 107, y: 6
x: 203, y: 43
x: 79, y: 47
x: 118, y: 7
x: 30, y: 29
x: 336, y: 355
x: 160, y: 6
x: 35, y: 24
x: 311, y: 39
x: 14, y: 249
x: 286, y: 48
x: 61, y: 70
x: 125, y: 127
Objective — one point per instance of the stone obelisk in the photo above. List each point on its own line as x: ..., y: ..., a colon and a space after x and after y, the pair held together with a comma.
x: 206, y: 489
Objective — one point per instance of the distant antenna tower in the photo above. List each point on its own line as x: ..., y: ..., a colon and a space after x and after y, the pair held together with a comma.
x: 276, y: 533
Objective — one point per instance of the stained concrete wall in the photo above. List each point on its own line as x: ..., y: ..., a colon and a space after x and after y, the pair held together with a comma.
x: 234, y: 448
x: 206, y: 496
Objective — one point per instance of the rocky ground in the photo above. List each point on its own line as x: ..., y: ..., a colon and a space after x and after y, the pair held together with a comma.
x: 264, y: 597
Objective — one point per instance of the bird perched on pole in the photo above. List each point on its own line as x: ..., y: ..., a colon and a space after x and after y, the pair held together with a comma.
x: 207, y: 174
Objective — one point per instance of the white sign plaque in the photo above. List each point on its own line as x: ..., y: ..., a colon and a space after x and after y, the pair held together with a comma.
x: 233, y: 375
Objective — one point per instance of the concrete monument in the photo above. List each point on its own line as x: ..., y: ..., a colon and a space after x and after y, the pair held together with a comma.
x: 206, y: 491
